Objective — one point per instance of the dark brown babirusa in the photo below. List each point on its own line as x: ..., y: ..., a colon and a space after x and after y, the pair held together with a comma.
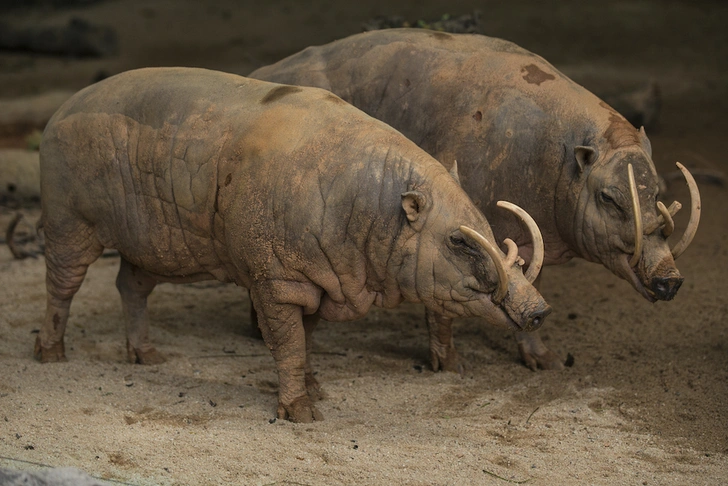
x: 519, y: 130
x: 320, y: 210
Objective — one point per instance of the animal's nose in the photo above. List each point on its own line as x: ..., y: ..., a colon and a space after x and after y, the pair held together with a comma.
x: 665, y: 288
x: 536, y: 318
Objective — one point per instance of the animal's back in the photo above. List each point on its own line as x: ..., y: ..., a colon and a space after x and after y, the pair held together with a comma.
x: 149, y: 161
x: 136, y: 158
x: 418, y: 69
x: 493, y: 106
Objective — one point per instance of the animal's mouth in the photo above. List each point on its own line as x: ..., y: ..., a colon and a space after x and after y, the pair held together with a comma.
x: 499, y: 314
x: 527, y: 317
x: 629, y: 275
x: 511, y: 324
x: 503, y: 319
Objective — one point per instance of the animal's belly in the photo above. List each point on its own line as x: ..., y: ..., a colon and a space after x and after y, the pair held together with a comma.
x: 349, y: 310
x: 168, y: 250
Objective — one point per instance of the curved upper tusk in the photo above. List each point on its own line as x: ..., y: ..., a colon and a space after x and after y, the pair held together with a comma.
x: 538, y: 250
x: 637, y: 218
x: 512, y: 255
x: 502, y: 290
x: 669, y: 223
x: 692, y: 227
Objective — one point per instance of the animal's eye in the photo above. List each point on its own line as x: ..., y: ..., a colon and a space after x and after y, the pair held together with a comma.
x: 460, y: 242
x: 606, y: 198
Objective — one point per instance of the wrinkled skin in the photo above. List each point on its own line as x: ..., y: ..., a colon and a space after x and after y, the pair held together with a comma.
x: 519, y: 130
x: 318, y: 209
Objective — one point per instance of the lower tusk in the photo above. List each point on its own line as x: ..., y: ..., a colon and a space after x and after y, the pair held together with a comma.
x: 512, y: 252
x: 695, y: 208
x: 637, y: 218
x: 534, y: 267
x: 674, y: 208
x: 667, y: 218
x: 502, y: 290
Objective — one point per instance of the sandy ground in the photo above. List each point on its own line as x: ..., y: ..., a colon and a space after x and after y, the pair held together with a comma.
x: 644, y: 403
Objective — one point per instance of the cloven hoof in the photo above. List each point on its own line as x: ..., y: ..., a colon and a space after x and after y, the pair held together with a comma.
x: 52, y: 354
x: 547, y: 360
x: 314, y: 388
x: 299, y: 411
x: 148, y: 357
x: 450, y: 362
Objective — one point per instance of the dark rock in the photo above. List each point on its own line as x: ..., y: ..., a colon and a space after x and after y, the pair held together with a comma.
x: 640, y: 106
x: 66, y: 476
x: 468, y: 23
x: 56, y: 4
x: 79, y: 38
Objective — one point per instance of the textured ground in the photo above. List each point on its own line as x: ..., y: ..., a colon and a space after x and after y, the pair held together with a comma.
x: 644, y: 403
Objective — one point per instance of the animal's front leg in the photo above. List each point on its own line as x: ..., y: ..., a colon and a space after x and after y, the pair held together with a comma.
x: 284, y: 334
x: 443, y: 354
x: 535, y: 353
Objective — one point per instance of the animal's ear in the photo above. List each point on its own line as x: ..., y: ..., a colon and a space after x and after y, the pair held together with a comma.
x: 454, y: 171
x: 646, y: 145
x: 414, y: 203
x: 584, y: 156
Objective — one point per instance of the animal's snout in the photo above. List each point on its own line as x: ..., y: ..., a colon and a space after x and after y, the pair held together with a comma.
x: 665, y: 288
x: 535, y: 319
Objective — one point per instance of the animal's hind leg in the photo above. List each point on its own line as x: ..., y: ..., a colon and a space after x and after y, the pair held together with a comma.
x: 312, y: 385
x: 134, y: 286
x: 254, y: 329
x: 69, y: 251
